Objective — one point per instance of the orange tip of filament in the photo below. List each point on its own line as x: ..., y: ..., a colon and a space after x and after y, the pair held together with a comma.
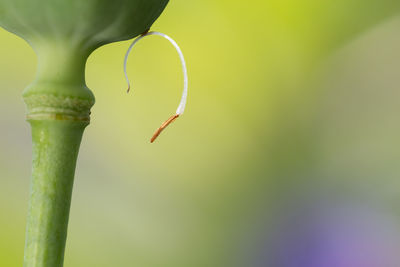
x: 163, y: 126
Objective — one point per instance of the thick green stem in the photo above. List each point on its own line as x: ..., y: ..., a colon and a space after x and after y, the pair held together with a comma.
x: 58, y: 103
x: 63, y: 35
x: 55, y: 149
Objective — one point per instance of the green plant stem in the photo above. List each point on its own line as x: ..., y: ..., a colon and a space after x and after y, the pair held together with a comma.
x: 63, y: 35
x: 58, y: 103
x: 55, y: 149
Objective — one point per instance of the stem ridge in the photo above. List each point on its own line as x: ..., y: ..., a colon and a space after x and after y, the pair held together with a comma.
x: 58, y: 107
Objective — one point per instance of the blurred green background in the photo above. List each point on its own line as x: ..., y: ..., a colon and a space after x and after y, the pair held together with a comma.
x: 287, y: 99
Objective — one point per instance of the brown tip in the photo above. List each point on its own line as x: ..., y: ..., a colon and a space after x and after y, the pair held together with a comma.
x: 129, y: 89
x: 163, y: 126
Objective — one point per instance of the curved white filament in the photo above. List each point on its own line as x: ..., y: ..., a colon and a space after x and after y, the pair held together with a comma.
x: 182, y: 104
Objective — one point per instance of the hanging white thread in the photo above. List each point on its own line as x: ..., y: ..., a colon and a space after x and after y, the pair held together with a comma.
x: 182, y: 104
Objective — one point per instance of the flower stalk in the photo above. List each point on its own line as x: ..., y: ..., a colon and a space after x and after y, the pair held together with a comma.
x: 55, y: 148
x: 58, y: 103
x: 63, y: 34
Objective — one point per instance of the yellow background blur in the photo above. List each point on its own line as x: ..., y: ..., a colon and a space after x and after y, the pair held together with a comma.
x: 285, y: 97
